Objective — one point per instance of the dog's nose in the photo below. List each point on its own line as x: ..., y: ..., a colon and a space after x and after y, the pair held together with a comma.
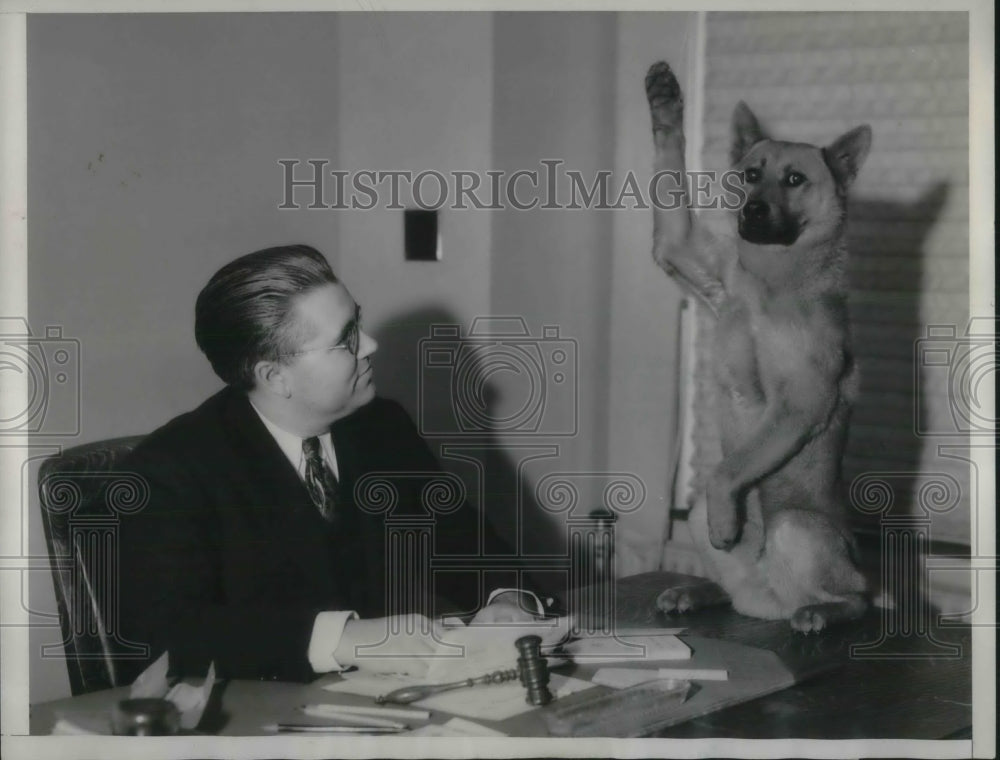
x: 755, y: 211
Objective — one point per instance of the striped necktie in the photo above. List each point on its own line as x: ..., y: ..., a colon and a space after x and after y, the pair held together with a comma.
x: 320, y: 480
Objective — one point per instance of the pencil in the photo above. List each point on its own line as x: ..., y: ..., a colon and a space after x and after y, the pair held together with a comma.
x: 350, y: 718
x: 383, y: 712
x: 305, y: 728
x: 694, y: 674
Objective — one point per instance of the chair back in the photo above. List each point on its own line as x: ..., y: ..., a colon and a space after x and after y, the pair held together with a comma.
x: 82, y: 492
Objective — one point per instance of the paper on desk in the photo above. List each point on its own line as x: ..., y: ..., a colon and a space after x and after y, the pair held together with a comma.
x: 190, y: 700
x: 371, y: 684
x: 627, y: 648
x: 152, y: 682
x: 500, y: 701
x: 474, y: 650
x: 488, y: 702
x: 455, y: 727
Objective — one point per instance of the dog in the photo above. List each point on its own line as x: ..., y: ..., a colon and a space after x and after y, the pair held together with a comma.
x: 772, y: 520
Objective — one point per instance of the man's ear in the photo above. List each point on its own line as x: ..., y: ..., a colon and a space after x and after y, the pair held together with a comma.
x: 270, y: 378
x: 845, y: 155
x: 746, y: 132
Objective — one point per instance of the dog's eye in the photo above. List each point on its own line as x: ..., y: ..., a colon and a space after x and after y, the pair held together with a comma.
x: 752, y: 174
x: 794, y: 179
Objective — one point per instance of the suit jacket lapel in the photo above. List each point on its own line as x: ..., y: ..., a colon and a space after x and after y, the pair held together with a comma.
x: 258, y: 448
x: 285, y: 509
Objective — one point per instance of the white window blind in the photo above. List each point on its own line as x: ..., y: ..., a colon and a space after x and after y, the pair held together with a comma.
x: 810, y: 77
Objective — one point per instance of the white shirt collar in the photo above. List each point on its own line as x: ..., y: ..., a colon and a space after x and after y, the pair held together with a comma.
x: 291, y: 445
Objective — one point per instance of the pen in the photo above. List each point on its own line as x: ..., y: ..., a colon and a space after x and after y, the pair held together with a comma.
x: 305, y: 728
x: 318, y: 711
x: 694, y: 674
x: 378, y: 712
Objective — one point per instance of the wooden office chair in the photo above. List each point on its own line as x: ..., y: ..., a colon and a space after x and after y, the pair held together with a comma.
x: 82, y: 493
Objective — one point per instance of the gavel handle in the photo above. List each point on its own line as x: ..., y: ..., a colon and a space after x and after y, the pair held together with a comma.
x: 409, y: 694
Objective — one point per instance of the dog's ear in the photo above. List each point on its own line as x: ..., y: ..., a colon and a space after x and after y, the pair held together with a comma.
x: 746, y: 132
x: 845, y: 155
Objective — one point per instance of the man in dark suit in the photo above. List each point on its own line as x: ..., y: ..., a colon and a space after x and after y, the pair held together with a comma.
x: 255, y: 549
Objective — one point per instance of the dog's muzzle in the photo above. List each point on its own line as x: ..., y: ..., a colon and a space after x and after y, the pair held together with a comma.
x: 755, y: 212
x: 757, y: 226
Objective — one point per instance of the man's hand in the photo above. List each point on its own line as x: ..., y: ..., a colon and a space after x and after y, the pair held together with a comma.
x: 503, y: 609
x: 502, y: 612
x: 398, y: 644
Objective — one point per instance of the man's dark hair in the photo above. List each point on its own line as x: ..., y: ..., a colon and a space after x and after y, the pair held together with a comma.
x: 244, y: 314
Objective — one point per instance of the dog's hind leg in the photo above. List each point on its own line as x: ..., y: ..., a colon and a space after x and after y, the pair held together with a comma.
x: 809, y: 564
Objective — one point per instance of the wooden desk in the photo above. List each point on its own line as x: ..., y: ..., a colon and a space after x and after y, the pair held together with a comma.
x: 926, y: 694
x: 888, y: 698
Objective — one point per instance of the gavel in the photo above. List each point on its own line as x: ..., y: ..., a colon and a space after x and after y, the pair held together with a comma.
x: 532, y: 670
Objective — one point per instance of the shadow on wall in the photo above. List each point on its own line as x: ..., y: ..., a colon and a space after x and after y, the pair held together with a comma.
x: 423, y: 363
x: 886, y: 242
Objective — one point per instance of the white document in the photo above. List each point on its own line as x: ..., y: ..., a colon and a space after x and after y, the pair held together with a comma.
x: 190, y: 700
x: 152, y: 682
x: 627, y: 649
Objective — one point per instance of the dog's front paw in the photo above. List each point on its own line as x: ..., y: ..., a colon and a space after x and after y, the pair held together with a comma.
x: 666, y: 103
x: 809, y: 619
x: 723, y: 515
x: 675, y: 600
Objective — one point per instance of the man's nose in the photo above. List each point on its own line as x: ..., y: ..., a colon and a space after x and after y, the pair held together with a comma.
x: 367, y: 346
x: 755, y: 211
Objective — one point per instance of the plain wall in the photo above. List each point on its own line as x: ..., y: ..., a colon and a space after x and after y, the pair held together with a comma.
x: 416, y: 95
x: 554, y: 89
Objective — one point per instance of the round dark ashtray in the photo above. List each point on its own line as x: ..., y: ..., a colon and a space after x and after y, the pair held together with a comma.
x: 145, y: 717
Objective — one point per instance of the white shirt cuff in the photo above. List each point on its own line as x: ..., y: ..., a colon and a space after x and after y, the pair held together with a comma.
x: 327, y: 630
x: 539, y: 608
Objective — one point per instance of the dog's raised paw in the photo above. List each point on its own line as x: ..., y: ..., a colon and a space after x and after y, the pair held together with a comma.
x: 666, y: 103
x: 675, y: 600
x: 808, y: 619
